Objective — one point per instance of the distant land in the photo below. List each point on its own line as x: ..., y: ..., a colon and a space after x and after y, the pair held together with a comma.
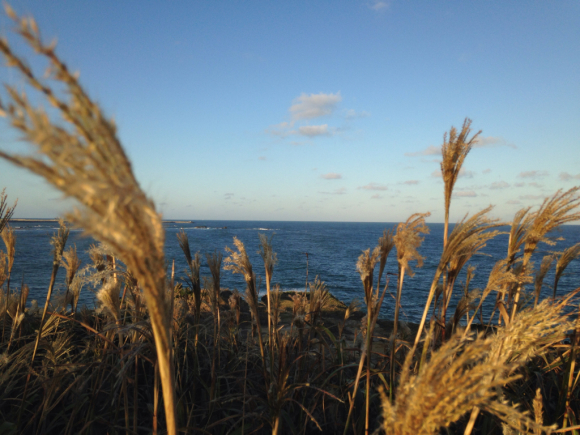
x: 56, y: 220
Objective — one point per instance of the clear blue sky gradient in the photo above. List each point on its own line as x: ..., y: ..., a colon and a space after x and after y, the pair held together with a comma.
x: 321, y: 110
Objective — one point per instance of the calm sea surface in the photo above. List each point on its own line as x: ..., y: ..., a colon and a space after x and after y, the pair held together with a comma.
x: 333, y: 249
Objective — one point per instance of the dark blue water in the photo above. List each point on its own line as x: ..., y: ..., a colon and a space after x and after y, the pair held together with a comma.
x: 333, y: 250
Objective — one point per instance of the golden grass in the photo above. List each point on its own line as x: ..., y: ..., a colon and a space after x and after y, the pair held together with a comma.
x: 85, y: 160
x: 454, y: 150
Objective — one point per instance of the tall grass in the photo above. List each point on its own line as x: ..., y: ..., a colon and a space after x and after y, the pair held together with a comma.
x: 82, y: 156
x: 100, y: 371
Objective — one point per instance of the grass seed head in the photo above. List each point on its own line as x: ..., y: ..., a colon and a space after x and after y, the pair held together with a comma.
x: 71, y: 262
x: 565, y: 258
x: 9, y: 238
x: 456, y: 146
x: 408, y: 239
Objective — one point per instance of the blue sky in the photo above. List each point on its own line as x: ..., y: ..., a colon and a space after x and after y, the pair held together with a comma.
x: 321, y: 110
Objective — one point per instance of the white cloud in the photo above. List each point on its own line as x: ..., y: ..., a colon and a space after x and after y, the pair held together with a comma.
x: 331, y: 176
x: 314, y: 105
x: 565, y: 176
x: 353, y: 114
x: 492, y: 141
x: 499, y: 185
x: 465, y: 194
x: 374, y: 186
x: 532, y: 174
x: 312, y: 130
x: 411, y: 182
x: 431, y: 150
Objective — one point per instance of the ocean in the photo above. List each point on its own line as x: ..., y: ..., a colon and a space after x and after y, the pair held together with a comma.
x: 333, y: 249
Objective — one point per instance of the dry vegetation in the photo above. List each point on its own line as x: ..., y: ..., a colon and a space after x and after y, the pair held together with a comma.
x: 187, y: 356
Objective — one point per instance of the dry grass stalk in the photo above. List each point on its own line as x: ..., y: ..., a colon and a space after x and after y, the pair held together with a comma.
x: 9, y: 239
x: 276, y: 306
x: 554, y: 212
x: 58, y: 243
x: 365, y: 266
x: 319, y: 298
x: 71, y: 263
x: 519, y: 227
x: 5, y: 211
x: 540, y: 275
x: 407, y: 240
x: 214, y: 262
x: 238, y: 262
x: 466, y: 304
x: 234, y: 303
x: 466, y: 236
x: 478, y: 241
x: 499, y: 278
x: 538, y: 411
x: 109, y: 297
x: 563, y: 261
x: 270, y: 259
x: 386, y: 244
x: 3, y: 270
x: 85, y: 160
x: 466, y: 373
x: 454, y: 151
x: 194, y: 264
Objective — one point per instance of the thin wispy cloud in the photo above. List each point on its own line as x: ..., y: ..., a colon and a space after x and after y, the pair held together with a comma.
x: 492, y: 142
x: 312, y: 130
x: 486, y: 171
x: 565, y: 176
x: 411, y: 182
x: 376, y: 196
x: 262, y: 158
x: 533, y: 174
x: 379, y: 5
x: 353, y: 114
x: 513, y: 202
x: 534, y: 184
x: 340, y: 191
x: 531, y: 197
x: 374, y: 186
x: 431, y: 150
x: 308, y: 131
x: 331, y: 176
x: 499, y: 185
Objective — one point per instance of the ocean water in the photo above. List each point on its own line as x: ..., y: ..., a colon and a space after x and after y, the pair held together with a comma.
x: 333, y: 249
